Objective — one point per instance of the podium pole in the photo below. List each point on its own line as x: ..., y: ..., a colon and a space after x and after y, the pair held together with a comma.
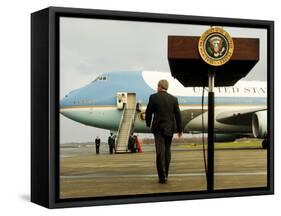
x: 211, y: 94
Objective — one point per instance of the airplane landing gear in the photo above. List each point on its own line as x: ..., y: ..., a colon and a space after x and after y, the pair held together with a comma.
x: 265, y: 143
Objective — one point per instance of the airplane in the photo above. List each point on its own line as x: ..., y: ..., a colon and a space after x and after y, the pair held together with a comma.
x: 240, y: 110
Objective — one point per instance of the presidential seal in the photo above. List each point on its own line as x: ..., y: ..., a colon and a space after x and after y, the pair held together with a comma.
x: 215, y: 46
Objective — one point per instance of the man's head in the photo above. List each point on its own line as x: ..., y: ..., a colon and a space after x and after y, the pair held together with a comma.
x: 163, y: 85
x: 111, y: 134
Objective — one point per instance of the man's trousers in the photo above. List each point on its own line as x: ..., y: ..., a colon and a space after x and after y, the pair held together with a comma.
x: 163, y: 154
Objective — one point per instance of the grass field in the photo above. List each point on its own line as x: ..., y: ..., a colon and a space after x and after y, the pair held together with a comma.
x: 240, y: 143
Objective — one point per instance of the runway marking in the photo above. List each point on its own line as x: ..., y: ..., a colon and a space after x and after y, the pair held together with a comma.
x: 155, y: 175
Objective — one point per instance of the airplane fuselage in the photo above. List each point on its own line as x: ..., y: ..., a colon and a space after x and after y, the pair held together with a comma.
x: 95, y: 104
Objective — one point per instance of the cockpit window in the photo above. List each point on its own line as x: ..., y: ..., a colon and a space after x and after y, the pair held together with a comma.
x: 100, y: 78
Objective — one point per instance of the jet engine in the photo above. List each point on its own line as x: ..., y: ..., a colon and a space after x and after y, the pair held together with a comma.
x: 259, y: 124
x: 224, y: 137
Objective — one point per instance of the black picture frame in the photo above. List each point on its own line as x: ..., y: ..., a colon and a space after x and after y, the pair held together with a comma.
x: 45, y: 105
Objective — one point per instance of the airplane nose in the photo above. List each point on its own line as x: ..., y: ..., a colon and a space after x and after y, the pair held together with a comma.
x: 62, y: 105
x: 70, y: 108
x: 66, y: 104
x: 63, y: 102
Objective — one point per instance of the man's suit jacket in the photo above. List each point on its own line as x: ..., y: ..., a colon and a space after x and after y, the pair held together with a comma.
x: 110, y: 140
x: 167, y: 116
x: 97, y: 141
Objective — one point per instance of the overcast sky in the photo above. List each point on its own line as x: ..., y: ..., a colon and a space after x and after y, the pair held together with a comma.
x: 89, y: 47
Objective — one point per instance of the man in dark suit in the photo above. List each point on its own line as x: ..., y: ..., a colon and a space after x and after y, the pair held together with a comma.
x: 97, y: 142
x: 164, y: 118
x: 111, y: 143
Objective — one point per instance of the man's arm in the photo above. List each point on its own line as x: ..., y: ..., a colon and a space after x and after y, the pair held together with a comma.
x: 149, y: 112
x: 177, y: 114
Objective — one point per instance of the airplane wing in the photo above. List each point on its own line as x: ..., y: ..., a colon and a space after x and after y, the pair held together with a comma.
x: 238, y: 117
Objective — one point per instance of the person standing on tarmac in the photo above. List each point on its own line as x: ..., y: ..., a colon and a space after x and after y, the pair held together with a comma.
x: 97, y: 142
x: 131, y: 143
x: 166, y: 120
x: 111, y: 143
x: 114, y: 138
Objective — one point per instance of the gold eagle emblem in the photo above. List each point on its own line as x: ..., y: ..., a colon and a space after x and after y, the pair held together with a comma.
x: 215, y: 46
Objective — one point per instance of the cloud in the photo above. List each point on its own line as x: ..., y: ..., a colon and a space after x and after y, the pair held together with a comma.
x: 90, y: 47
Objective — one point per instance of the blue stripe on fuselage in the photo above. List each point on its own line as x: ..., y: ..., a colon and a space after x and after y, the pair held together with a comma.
x: 103, y: 92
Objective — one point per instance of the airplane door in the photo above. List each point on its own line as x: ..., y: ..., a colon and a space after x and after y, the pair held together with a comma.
x: 121, y: 99
x: 126, y: 98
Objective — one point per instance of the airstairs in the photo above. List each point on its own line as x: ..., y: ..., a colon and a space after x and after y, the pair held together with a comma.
x: 126, y: 124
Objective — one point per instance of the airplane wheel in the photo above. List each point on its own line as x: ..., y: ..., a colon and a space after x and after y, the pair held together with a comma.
x: 265, y: 144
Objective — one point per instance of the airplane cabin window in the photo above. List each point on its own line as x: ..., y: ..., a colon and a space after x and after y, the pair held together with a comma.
x: 99, y: 78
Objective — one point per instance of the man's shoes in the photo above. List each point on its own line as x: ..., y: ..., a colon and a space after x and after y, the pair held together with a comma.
x: 162, y: 181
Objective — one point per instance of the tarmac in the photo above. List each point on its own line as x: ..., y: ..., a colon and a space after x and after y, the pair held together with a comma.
x: 85, y: 174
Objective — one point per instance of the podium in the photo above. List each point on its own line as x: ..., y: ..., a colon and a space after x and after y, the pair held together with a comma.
x: 190, y: 66
x: 187, y: 66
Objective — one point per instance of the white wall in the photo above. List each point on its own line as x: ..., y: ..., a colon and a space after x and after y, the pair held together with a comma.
x: 15, y: 106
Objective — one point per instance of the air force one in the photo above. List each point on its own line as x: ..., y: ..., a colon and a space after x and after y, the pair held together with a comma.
x: 240, y: 110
